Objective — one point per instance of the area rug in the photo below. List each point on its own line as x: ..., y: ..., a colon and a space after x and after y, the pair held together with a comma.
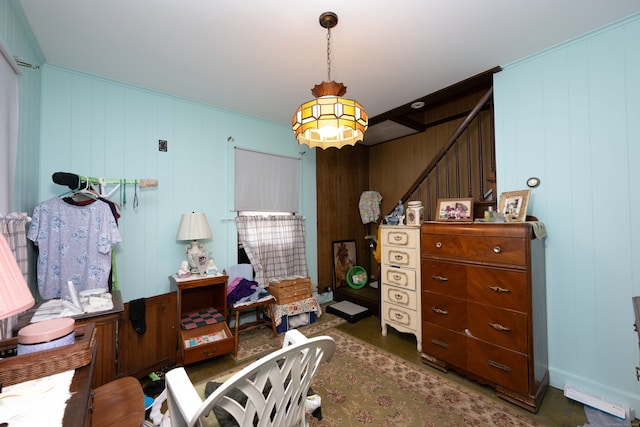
x: 260, y: 341
x: 364, y: 386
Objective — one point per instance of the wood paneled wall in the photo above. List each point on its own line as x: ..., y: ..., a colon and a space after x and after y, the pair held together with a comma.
x: 341, y: 177
x: 389, y: 168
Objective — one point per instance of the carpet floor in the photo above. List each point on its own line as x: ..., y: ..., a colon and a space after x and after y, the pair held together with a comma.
x: 365, y: 386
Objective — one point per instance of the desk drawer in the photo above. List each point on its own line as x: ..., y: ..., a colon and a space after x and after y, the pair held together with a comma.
x: 208, y: 349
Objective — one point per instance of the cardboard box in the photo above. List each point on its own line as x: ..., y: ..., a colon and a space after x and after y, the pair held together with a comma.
x: 290, y: 289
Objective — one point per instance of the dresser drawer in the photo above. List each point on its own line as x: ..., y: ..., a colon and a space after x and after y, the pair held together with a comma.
x: 441, y: 310
x: 499, y: 365
x: 401, y: 237
x: 506, y: 328
x: 401, y: 316
x: 402, y: 278
x: 400, y: 297
x: 210, y: 349
x: 500, y: 288
x: 400, y: 257
x: 444, y: 278
x: 493, y: 249
x: 444, y: 344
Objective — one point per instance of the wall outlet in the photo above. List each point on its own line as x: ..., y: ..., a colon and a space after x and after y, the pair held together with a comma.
x: 162, y: 145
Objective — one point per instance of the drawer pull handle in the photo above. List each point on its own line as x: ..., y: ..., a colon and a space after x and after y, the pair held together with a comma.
x: 438, y: 245
x: 398, y: 257
x: 499, y: 365
x: 397, y: 277
x: 398, y: 297
x: 213, y: 353
x: 397, y: 238
x: 499, y: 290
x: 499, y: 327
x: 440, y: 343
x: 399, y: 316
x: 439, y: 310
x: 497, y: 249
x: 439, y: 278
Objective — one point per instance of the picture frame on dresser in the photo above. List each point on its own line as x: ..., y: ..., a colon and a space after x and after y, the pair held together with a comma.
x: 344, y: 257
x: 459, y: 209
x: 513, y: 205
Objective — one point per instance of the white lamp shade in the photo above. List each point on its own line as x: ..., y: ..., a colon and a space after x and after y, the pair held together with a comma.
x: 193, y: 226
x: 15, y: 296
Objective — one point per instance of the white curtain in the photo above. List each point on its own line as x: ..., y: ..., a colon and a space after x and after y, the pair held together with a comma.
x: 274, y: 245
x: 14, y: 229
x: 8, y: 127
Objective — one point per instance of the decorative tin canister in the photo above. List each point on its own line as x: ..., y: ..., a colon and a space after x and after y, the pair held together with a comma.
x: 46, y: 335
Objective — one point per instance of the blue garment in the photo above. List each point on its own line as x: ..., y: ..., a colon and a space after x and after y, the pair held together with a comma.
x: 243, y: 289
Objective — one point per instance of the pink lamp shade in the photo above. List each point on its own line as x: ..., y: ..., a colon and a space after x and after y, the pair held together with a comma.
x: 15, y: 296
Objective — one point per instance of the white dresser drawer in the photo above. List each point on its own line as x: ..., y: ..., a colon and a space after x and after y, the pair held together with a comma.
x: 403, y: 298
x: 401, y: 317
x: 401, y: 277
x: 400, y: 257
x: 404, y: 237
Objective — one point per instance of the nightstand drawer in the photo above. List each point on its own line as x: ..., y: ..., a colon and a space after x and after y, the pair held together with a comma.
x: 206, y: 347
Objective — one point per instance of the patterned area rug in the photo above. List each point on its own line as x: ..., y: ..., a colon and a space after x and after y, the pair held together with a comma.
x: 363, y: 385
x: 259, y: 341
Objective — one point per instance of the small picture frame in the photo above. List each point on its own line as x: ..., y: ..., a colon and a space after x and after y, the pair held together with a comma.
x: 344, y: 257
x: 460, y: 210
x: 513, y: 205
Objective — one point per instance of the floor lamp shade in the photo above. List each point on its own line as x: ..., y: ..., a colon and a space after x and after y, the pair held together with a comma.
x: 15, y: 296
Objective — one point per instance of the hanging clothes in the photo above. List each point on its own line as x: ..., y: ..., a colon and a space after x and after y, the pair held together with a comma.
x: 75, y: 243
x: 370, y: 206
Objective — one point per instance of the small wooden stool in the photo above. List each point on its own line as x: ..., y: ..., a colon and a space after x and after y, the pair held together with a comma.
x: 118, y: 403
x: 258, y: 306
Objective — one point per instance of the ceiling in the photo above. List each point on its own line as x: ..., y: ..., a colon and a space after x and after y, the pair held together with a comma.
x: 261, y: 58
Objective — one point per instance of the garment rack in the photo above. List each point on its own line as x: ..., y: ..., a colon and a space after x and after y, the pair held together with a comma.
x: 77, y: 182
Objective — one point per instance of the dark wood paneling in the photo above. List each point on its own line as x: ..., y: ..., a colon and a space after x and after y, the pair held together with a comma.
x: 139, y: 355
x: 341, y: 176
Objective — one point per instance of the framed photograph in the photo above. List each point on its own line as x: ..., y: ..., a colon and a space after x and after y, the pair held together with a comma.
x: 513, y: 204
x: 344, y: 257
x: 455, y: 210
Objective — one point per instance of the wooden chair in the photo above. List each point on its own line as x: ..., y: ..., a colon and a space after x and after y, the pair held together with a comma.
x: 261, y: 307
x: 275, y: 387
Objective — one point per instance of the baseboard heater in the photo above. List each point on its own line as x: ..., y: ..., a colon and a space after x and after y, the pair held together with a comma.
x: 614, y: 409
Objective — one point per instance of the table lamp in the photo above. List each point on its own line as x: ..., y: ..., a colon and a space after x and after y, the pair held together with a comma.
x: 15, y: 296
x: 194, y: 227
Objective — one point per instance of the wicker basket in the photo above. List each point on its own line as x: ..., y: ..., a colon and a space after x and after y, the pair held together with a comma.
x: 17, y: 369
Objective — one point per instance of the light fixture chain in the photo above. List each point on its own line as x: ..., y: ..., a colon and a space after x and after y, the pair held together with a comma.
x: 328, y: 54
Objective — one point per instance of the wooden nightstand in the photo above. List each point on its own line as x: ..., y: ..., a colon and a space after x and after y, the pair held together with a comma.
x: 195, y: 294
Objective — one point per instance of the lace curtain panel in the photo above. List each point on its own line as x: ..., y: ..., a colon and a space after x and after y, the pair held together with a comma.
x: 275, y: 245
x: 14, y: 230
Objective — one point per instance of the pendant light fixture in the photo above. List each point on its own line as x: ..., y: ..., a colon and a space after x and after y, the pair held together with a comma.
x: 329, y: 120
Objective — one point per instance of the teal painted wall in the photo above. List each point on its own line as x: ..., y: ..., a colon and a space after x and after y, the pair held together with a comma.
x: 17, y: 38
x: 569, y: 115
x: 103, y: 128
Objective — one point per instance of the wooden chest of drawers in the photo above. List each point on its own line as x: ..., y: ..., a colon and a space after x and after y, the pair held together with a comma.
x: 484, y: 306
x: 400, y: 289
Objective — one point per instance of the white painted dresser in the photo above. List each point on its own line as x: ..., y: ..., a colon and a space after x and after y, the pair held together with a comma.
x: 400, y: 281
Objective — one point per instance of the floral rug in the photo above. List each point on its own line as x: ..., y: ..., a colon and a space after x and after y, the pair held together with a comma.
x: 364, y: 386
x: 259, y: 341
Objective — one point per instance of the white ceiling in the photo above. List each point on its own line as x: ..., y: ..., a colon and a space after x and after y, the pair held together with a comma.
x: 262, y: 57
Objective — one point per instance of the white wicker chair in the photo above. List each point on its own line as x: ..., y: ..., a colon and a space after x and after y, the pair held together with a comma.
x: 275, y: 387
